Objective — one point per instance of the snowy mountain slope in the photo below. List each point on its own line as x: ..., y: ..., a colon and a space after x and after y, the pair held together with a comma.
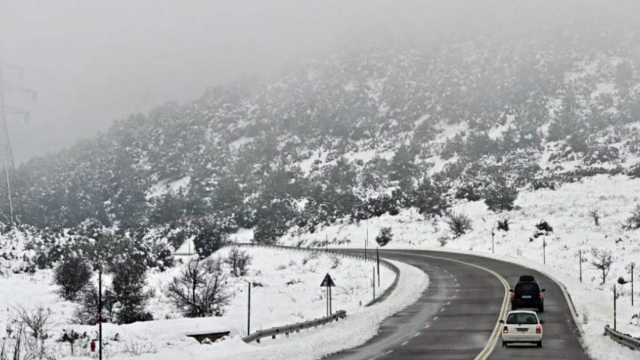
x: 548, y: 108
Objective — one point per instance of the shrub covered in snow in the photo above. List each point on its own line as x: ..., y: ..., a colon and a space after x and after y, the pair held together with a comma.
x: 633, y: 222
x: 459, y: 223
x: 384, y: 237
x: 239, y: 261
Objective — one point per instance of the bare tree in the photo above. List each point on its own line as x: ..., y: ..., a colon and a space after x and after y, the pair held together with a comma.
x: 602, y: 260
x: 239, y: 261
x: 200, y: 289
x: 595, y: 215
x: 34, y: 329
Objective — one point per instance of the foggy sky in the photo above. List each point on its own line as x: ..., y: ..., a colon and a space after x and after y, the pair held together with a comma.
x: 96, y: 61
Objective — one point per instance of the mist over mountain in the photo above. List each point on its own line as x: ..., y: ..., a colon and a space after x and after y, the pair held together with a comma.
x: 402, y: 117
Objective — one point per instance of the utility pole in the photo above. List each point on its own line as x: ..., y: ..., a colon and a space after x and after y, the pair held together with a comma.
x: 544, y: 250
x: 5, y: 139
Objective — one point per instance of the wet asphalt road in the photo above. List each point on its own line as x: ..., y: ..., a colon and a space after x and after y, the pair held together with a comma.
x: 456, y: 315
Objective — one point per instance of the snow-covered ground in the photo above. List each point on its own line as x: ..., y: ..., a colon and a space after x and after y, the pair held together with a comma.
x: 567, y: 211
x: 286, y: 290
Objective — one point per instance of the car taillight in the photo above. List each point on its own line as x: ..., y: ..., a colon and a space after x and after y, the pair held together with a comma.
x: 538, y: 329
x: 505, y: 330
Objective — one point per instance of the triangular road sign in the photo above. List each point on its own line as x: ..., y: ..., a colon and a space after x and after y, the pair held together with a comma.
x: 327, y: 282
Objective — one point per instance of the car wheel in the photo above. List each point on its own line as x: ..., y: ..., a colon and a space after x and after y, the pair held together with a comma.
x: 539, y: 344
x: 504, y: 344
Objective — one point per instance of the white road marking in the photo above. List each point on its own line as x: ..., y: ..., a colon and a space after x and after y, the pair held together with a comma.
x: 416, y: 335
x: 441, y: 310
x: 389, y: 352
x: 426, y: 326
x: 435, y: 318
x: 449, y: 303
x: 404, y: 343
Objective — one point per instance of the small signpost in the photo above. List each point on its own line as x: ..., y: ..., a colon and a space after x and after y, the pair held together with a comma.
x: 328, y: 283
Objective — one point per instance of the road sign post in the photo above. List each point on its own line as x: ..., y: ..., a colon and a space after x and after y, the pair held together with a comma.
x: 328, y: 283
x: 249, y: 312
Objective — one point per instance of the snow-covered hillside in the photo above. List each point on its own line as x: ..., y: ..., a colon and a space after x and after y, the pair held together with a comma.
x: 566, y: 209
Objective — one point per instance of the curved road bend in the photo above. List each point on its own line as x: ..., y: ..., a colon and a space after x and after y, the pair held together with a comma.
x: 456, y: 315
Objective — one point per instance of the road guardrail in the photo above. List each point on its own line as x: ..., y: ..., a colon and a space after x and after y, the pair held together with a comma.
x: 624, y: 339
x: 288, y: 329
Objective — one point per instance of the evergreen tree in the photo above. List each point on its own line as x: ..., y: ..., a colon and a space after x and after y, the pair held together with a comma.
x: 430, y: 198
x: 500, y: 195
x: 129, y: 278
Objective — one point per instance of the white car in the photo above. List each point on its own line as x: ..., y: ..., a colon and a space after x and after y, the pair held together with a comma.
x: 522, y: 327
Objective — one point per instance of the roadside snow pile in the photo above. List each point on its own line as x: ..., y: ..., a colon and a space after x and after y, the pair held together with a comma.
x: 568, y: 210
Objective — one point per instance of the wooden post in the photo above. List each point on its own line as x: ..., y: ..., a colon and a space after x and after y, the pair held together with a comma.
x: 493, y: 234
x: 373, y: 282
x: 615, y: 298
x: 249, y: 312
x: 366, y: 242
x: 633, y: 265
x: 580, y: 254
x: 378, y: 263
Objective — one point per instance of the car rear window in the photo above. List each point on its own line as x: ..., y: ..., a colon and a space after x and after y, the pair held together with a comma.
x: 527, y: 288
x: 522, y: 318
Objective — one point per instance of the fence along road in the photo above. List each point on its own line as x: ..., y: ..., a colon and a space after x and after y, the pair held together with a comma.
x: 456, y: 317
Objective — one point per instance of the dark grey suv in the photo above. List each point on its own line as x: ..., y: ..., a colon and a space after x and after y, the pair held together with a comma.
x: 527, y: 294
